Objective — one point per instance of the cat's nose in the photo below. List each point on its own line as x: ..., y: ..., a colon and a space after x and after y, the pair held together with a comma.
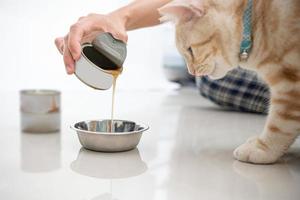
x: 191, y: 70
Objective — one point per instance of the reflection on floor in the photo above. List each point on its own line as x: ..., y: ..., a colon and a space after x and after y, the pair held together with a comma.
x: 186, y: 154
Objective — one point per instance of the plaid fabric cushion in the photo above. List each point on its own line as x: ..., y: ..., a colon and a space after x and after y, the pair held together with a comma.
x: 239, y: 90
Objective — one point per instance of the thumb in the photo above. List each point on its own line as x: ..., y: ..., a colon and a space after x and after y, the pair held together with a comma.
x: 120, y: 36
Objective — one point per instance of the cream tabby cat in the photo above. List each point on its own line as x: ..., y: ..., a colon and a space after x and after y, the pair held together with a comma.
x: 208, y: 35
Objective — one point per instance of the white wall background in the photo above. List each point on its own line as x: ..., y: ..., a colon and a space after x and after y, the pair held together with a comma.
x: 29, y: 58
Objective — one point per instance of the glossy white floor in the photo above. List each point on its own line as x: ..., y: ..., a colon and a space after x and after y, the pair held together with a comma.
x: 186, y: 154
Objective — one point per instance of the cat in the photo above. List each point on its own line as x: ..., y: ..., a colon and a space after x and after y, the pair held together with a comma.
x: 209, y: 34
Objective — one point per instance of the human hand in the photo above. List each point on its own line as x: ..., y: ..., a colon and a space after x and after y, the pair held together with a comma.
x: 85, y: 30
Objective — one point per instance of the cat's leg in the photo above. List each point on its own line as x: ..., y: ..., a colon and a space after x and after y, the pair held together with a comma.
x: 281, y: 129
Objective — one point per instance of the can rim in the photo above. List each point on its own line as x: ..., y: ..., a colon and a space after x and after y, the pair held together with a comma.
x: 40, y: 92
x: 96, y: 88
x: 89, y: 61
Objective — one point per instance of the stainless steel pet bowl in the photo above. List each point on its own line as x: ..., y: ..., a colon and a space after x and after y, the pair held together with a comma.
x: 96, y: 135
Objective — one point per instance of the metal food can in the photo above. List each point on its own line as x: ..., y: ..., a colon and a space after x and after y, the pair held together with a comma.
x: 40, y: 111
x: 88, y: 71
x: 98, y: 59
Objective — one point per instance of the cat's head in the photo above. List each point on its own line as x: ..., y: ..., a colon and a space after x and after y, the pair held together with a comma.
x: 207, y: 35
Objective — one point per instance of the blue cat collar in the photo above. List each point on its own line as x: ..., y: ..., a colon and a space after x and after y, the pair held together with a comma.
x: 246, y: 44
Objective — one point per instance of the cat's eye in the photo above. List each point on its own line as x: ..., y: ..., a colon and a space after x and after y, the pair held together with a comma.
x: 190, y: 50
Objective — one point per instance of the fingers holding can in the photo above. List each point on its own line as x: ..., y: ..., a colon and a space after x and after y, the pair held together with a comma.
x: 68, y: 59
x: 59, y: 43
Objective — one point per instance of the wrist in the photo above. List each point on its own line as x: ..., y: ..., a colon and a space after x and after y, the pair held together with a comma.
x: 123, y: 16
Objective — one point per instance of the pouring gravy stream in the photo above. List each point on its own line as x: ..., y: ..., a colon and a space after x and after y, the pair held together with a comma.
x: 115, y: 74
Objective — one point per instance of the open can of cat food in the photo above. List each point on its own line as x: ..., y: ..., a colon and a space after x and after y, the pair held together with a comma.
x: 98, y: 59
x: 40, y: 111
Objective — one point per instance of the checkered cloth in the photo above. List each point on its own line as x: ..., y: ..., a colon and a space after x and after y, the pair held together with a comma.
x: 239, y: 90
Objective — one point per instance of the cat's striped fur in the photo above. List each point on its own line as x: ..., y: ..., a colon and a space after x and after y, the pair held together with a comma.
x: 209, y: 33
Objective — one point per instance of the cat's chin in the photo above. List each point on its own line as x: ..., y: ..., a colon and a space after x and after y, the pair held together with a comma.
x: 213, y: 77
x: 218, y: 73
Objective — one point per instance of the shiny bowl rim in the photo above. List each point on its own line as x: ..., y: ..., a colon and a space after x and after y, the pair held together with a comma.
x: 144, y: 128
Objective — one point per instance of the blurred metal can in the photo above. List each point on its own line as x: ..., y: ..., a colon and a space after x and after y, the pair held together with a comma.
x: 40, y: 111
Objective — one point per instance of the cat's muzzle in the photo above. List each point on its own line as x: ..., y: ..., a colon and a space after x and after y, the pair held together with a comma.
x: 204, y: 70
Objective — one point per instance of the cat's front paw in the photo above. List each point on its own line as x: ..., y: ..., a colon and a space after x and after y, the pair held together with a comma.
x: 255, y: 151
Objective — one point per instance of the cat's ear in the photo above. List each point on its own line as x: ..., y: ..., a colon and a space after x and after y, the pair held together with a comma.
x: 181, y: 10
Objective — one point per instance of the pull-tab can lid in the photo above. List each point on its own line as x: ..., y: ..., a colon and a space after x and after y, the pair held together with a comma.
x: 115, y: 50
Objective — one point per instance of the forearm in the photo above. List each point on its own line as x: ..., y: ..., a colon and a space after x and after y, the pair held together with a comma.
x: 140, y: 13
